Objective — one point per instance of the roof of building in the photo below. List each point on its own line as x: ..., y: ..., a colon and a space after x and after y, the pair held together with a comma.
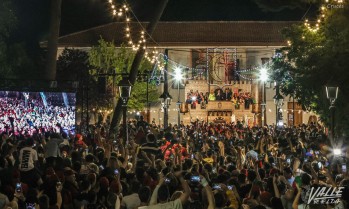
x: 187, y: 34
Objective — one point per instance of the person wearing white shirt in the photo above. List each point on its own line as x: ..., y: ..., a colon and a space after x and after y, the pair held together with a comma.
x: 27, y: 159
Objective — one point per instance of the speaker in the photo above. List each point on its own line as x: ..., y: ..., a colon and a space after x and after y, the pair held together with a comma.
x: 102, y: 84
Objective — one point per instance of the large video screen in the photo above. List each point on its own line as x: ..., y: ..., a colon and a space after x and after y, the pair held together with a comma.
x: 32, y: 112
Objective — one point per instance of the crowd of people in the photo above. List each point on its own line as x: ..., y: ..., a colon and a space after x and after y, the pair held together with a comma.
x: 28, y: 115
x: 197, y: 98
x: 182, y: 166
x: 238, y: 98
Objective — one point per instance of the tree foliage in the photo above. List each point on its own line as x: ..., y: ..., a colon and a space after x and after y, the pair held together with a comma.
x: 14, y: 61
x: 73, y: 64
x: 138, y: 98
x: 316, y: 59
x: 105, y: 58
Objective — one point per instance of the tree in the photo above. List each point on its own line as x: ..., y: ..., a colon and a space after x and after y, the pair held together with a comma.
x: 14, y: 61
x: 319, y: 58
x: 138, y: 98
x: 137, y: 61
x: 105, y: 58
x: 73, y: 64
x: 55, y: 20
x: 8, y: 21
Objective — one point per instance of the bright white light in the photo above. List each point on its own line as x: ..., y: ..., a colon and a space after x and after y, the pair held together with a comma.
x: 138, y: 113
x: 193, y: 98
x: 263, y: 74
x: 280, y: 123
x: 178, y: 77
x: 177, y: 70
x: 178, y: 74
x: 337, y: 151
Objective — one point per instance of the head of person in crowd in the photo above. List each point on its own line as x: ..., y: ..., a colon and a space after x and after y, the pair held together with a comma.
x: 151, y: 138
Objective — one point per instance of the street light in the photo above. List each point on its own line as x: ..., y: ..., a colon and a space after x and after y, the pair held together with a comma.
x: 263, y: 76
x: 332, y: 94
x: 178, y: 77
x: 278, y: 101
x: 145, y: 77
x: 165, y: 99
x: 124, y: 92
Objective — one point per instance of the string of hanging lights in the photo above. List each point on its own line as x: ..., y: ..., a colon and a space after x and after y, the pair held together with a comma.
x: 152, y: 54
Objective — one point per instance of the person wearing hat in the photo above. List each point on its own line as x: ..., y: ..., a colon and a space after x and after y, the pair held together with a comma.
x: 70, y: 185
x: 80, y: 142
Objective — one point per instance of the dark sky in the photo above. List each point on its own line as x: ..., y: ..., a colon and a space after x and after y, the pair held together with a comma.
x: 77, y: 15
x: 95, y: 12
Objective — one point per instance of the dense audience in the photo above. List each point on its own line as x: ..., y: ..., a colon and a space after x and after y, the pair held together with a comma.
x: 26, y: 116
x: 195, y: 166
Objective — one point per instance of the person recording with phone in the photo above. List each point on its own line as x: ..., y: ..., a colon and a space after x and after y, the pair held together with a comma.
x: 162, y: 194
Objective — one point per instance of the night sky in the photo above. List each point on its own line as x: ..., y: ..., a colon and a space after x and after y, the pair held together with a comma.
x: 77, y: 15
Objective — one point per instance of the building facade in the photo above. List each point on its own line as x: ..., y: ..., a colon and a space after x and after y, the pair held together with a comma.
x: 215, y: 58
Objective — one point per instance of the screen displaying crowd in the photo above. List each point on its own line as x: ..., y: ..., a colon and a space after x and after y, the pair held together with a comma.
x: 23, y: 113
x: 201, y: 166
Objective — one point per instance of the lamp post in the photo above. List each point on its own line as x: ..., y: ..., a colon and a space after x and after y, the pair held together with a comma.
x: 332, y: 95
x: 165, y: 99
x: 144, y: 77
x: 124, y: 93
x: 278, y: 101
x: 178, y: 77
x: 263, y: 76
